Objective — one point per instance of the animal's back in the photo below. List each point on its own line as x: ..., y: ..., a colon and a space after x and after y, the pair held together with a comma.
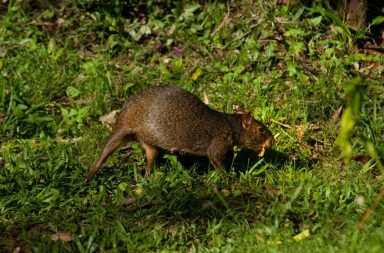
x: 173, y: 119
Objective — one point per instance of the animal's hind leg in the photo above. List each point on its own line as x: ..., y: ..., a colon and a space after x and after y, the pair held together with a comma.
x: 113, y: 142
x: 151, y: 153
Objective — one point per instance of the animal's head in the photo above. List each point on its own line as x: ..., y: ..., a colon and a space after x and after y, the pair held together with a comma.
x: 255, y: 135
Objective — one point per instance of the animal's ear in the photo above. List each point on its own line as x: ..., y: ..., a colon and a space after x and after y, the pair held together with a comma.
x: 247, y: 120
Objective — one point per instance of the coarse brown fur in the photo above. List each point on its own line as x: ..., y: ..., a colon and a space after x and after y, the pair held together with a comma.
x: 173, y: 119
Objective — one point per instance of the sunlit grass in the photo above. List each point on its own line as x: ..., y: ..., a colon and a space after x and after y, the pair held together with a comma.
x: 282, y: 63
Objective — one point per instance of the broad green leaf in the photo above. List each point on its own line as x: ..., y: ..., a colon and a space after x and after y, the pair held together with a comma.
x: 72, y: 92
x: 378, y: 20
x: 316, y: 21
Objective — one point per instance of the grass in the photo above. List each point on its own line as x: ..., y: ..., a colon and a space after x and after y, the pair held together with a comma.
x: 64, y: 65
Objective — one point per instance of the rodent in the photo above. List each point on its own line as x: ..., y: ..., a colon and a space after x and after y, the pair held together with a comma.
x: 173, y: 119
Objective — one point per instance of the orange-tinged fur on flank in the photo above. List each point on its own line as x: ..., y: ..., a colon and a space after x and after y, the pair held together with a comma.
x: 173, y: 119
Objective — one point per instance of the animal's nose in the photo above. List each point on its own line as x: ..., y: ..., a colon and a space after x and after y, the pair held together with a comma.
x: 269, y: 143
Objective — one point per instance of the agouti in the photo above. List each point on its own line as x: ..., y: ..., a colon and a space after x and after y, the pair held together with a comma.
x: 173, y: 119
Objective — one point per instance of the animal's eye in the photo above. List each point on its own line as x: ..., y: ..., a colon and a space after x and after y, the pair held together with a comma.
x: 262, y: 129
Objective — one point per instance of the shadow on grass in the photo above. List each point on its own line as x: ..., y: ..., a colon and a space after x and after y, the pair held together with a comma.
x: 245, y: 159
x: 216, y: 200
x: 200, y: 198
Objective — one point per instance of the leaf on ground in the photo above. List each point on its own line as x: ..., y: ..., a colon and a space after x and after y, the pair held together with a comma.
x: 361, y: 158
x: 302, y: 235
x: 109, y: 119
x: 69, y: 140
x: 138, y: 191
x: 196, y: 74
x: 205, y: 98
x: 178, y: 52
x: 65, y: 237
x: 17, y: 250
x: 120, y: 61
x: 337, y: 114
x: 128, y: 201
x: 166, y: 60
x: 360, y: 200
x: 274, y: 242
x: 2, y: 117
x: 72, y: 92
x: 300, y: 130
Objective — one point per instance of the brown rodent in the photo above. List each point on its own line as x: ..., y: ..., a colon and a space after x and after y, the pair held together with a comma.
x: 170, y: 118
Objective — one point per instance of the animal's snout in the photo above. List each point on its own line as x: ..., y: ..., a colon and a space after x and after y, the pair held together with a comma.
x: 269, y: 142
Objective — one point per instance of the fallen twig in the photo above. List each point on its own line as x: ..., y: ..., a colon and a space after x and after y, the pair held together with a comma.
x: 281, y: 124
